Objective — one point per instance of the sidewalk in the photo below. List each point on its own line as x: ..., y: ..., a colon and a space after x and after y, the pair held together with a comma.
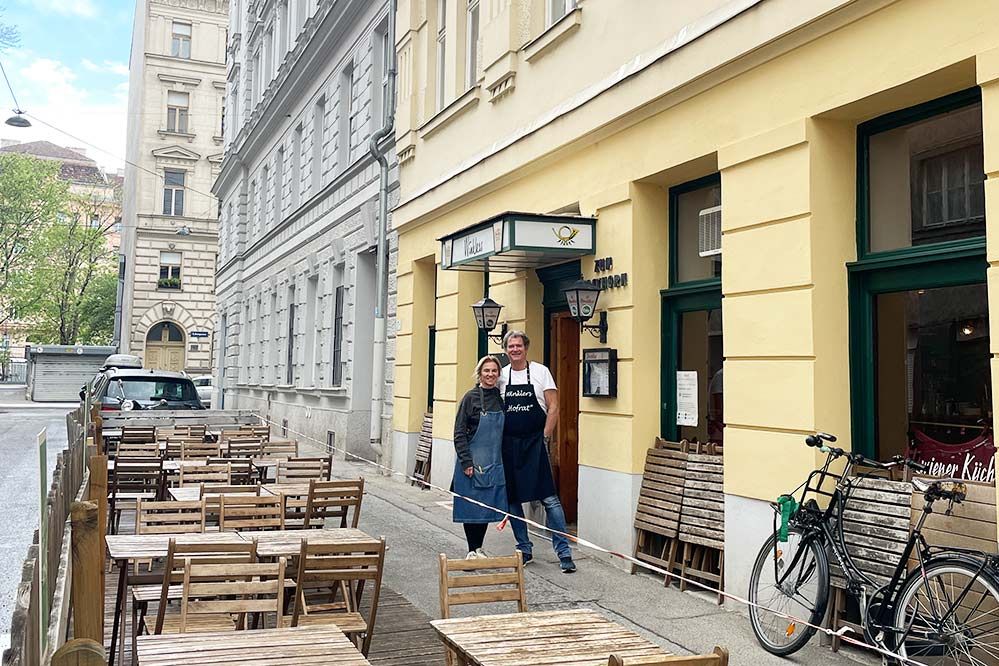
x: 417, y: 525
x: 12, y: 396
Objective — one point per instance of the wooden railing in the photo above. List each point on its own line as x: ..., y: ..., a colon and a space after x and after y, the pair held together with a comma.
x: 43, y: 595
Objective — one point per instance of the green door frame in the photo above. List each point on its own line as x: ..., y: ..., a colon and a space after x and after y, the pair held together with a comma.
x: 946, y: 264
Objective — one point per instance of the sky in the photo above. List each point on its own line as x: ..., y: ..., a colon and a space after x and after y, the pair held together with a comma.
x: 70, y: 71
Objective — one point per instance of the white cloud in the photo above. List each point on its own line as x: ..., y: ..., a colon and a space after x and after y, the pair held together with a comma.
x: 90, y: 65
x: 82, y: 8
x: 117, y: 68
x: 50, y: 91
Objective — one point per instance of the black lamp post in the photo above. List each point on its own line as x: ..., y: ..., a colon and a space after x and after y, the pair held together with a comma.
x: 487, y: 313
x: 582, y: 299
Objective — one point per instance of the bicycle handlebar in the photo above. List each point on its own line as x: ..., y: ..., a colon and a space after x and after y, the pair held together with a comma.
x: 816, y: 441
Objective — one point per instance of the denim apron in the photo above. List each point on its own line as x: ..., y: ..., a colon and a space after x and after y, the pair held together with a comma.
x: 488, y: 481
x: 525, y: 456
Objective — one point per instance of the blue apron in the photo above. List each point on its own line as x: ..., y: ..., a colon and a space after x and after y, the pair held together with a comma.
x: 525, y: 456
x: 488, y: 481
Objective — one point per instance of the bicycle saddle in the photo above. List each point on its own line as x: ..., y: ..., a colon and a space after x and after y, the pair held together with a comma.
x: 957, y: 489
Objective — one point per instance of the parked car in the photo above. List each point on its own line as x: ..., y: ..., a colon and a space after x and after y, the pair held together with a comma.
x: 130, y: 388
x: 204, y: 385
x: 114, y: 361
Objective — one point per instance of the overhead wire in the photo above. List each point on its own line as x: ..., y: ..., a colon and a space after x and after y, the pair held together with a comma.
x: 17, y: 106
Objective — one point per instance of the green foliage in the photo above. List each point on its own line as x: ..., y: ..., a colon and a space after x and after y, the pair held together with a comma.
x: 31, y: 197
x: 97, y: 316
x: 168, y: 283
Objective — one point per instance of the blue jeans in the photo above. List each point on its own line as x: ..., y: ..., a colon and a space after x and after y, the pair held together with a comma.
x: 554, y: 519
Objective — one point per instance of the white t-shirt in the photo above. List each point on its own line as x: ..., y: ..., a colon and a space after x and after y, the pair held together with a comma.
x: 541, y: 377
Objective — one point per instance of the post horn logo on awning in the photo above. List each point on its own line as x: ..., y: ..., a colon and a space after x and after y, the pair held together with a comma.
x: 565, y: 234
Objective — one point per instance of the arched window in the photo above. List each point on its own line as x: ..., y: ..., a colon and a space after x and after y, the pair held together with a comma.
x: 165, y: 332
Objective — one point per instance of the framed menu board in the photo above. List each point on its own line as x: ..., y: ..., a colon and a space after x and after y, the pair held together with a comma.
x: 600, y: 373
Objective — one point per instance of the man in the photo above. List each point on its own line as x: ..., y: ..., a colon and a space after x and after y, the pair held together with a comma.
x: 530, y: 403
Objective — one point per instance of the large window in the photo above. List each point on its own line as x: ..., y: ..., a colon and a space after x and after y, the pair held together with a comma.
x: 927, y: 181
x: 559, y: 8
x: 170, y: 263
x: 173, y: 192
x: 336, y: 362
x: 346, y: 117
x: 696, y: 219
x: 472, y: 44
x: 180, y: 42
x: 441, y: 52
x: 919, y: 337
x: 289, y: 378
x: 178, y: 104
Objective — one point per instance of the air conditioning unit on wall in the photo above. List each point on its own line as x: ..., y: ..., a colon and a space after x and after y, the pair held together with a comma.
x: 709, y: 234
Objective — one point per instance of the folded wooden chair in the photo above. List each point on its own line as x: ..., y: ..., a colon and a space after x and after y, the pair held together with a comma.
x: 719, y: 657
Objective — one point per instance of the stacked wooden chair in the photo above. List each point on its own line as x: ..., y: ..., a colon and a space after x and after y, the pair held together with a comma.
x: 718, y: 657
x: 421, y: 473
x: 657, y: 518
x: 702, y: 518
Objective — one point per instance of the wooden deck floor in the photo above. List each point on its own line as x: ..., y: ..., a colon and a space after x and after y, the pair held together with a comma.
x: 403, y: 635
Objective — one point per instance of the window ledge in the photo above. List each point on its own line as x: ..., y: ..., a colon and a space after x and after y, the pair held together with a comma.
x: 266, y: 386
x: 554, y: 35
x: 184, y: 135
x: 334, y: 390
x: 449, y: 113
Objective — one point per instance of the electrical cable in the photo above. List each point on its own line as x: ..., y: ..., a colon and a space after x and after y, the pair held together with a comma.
x: 17, y: 107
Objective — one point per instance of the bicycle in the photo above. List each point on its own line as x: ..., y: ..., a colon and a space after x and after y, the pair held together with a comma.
x: 944, y: 611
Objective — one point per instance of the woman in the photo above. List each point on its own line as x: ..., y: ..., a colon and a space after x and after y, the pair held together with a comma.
x: 478, y: 471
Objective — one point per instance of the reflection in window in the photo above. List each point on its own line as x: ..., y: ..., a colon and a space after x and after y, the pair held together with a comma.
x: 701, y: 352
x: 932, y: 365
x: 927, y: 181
x: 698, y: 233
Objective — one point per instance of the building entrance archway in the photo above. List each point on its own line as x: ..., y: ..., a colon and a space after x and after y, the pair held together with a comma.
x: 165, y: 347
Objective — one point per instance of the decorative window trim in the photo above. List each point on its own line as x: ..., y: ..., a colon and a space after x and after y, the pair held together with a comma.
x: 450, y: 113
x: 554, y: 35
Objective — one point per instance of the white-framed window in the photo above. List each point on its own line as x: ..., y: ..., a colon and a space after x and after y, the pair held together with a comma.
x: 380, y: 79
x: 318, y: 141
x: 951, y: 188
x: 173, y: 192
x: 471, y: 44
x: 346, y: 116
x: 279, y: 186
x: 296, y: 167
x: 170, y: 263
x: 441, y: 51
x: 178, y: 107
x: 559, y: 8
x: 95, y: 221
x: 180, y: 42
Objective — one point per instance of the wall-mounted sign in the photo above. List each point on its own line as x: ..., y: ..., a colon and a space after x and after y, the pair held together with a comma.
x: 199, y: 334
x: 600, y: 373
x: 686, y: 398
x: 518, y: 241
x: 607, y: 281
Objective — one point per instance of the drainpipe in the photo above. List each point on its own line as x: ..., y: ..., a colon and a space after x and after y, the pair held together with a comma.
x: 378, y: 358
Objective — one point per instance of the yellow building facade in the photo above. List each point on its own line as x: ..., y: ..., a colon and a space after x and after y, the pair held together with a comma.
x: 841, y: 143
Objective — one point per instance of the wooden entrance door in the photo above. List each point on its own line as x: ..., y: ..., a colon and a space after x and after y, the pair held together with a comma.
x: 165, y: 347
x: 564, y: 451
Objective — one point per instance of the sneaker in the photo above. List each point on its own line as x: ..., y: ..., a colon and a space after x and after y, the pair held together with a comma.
x: 472, y: 555
x: 481, y: 554
x: 526, y: 557
x: 567, y: 565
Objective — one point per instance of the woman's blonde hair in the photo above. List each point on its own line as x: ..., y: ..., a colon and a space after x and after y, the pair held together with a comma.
x: 482, y: 362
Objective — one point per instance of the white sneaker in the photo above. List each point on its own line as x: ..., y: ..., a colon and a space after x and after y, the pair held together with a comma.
x: 481, y: 554
x: 472, y: 555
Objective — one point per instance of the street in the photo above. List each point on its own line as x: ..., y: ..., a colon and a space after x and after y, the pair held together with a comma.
x: 20, y: 423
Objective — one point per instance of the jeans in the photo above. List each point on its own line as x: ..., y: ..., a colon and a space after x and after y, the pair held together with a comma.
x: 554, y: 519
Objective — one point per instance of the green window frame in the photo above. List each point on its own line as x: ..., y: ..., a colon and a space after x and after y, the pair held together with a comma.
x: 678, y: 298
x: 944, y: 264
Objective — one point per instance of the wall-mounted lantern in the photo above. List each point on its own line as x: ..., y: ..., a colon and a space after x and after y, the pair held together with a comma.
x: 487, y: 313
x: 582, y: 298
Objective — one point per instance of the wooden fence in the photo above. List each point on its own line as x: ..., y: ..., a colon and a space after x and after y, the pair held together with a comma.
x: 53, y: 593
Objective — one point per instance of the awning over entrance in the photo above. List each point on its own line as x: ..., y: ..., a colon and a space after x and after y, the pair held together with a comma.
x: 517, y: 241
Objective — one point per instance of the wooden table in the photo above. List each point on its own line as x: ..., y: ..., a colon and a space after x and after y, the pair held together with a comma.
x: 277, y: 647
x: 125, y: 548
x: 566, y: 638
x: 287, y: 543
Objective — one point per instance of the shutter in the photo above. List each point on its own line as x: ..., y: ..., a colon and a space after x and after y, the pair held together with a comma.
x: 60, y: 378
x: 709, y: 231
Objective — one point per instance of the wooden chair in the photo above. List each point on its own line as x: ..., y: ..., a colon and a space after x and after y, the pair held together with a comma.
x: 199, y: 450
x: 244, y: 447
x: 283, y: 449
x: 334, y: 499
x: 421, y: 470
x: 193, y: 475
x: 138, y: 434
x: 211, y: 494
x: 133, y: 479
x: 263, y: 431
x: 324, y: 569
x: 173, y: 447
x: 153, y: 517
x: 240, y: 469
x: 251, y: 512
x: 702, y: 518
x: 718, y: 657
x: 303, y: 470
x: 137, y: 450
x: 503, y: 582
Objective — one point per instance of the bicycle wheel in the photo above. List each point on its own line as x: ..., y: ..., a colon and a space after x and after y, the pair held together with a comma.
x: 790, y: 583
x: 948, y: 614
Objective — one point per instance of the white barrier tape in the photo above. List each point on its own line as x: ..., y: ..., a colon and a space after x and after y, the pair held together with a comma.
x: 842, y: 633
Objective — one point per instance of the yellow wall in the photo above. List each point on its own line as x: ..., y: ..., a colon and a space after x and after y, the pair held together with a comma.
x: 781, y: 125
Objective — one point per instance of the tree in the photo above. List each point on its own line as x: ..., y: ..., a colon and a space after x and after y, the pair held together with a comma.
x: 31, y: 197
x: 10, y: 36
x: 68, y: 295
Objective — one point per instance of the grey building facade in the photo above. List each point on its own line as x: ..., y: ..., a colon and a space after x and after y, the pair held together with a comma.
x: 298, y: 189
